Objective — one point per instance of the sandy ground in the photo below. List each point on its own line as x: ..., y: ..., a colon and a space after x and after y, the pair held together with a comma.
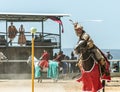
x: 48, y: 85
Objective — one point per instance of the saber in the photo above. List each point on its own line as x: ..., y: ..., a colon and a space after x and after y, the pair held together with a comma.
x: 71, y: 21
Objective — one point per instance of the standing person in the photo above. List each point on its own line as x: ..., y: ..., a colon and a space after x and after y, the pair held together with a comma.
x: 44, y: 60
x: 12, y: 31
x: 72, y: 56
x: 55, y: 55
x: 72, y: 68
x: 22, y: 38
x: 109, y: 56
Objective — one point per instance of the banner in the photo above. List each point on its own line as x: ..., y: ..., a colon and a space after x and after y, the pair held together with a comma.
x: 57, y: 19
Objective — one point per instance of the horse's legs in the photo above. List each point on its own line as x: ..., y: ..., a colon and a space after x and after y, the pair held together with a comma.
x: 55, y: 80
x: 40, y: 78
x: 57, y: 74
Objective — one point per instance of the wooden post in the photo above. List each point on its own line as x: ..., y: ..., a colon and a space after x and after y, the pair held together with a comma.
x: 33, y: 30
x: 32, y: 63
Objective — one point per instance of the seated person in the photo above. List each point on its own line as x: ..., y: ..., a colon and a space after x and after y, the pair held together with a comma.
x: 44, y: 60
x: 59, y: 58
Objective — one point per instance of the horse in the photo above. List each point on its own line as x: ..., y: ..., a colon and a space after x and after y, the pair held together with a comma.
x: 52, y: 70
x: 2, y: 57
x: 92, y: 72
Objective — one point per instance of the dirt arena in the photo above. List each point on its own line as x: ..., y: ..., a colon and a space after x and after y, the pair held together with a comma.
x: 49, y: 86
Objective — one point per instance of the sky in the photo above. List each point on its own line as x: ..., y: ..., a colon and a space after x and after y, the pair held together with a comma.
x: 100, y: 18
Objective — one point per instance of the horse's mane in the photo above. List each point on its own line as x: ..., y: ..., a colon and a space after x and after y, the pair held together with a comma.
x: 35, y: 59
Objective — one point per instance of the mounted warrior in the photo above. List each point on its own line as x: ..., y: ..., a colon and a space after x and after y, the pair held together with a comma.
x: 82, y: 35
x: 86, y: 41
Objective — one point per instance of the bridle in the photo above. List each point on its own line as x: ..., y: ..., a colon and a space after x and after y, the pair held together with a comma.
x: 83, y: 51
x: 87, y: 58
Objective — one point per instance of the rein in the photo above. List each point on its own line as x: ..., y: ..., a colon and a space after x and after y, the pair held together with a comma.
x: 86, y: 58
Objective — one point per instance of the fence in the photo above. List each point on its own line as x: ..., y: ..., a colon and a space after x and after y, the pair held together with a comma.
x: 20, y: 69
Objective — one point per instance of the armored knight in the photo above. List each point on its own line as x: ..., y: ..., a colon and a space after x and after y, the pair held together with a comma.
x: 101, y: 67
x: 90, y: 44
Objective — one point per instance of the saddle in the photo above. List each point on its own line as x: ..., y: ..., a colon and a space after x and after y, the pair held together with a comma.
x: 44, y: 69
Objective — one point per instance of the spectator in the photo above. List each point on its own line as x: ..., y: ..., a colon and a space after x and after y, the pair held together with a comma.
x: 12, y: 31
x: 115, y: 68
x: 22, y: 38
x: 65, y: 65
x: 73, y: 64
x: 41, y: 37
x: 55, y: 55
x: 109, y: 56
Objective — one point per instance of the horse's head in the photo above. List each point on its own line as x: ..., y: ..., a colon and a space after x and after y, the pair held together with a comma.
x: 80, y: 47
x: 86, y: 56
x: 29, y: 61
x: 2, y: 57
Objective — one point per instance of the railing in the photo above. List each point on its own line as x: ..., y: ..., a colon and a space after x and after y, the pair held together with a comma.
x: 114, y: 65
x: 46, y: 38
x: 115, y: 70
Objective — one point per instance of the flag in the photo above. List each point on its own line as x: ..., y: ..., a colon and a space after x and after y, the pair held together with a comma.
x: 57, y: 19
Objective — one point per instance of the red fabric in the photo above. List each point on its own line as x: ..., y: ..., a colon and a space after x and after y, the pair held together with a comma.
x: 104, y: 77
x: 45, y: 56
x: 12, y: 32
x: 56, y: 19
x: 91, y: 80
x: 107, y: 67
x: 59, y: 58
x: 44, y: 61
